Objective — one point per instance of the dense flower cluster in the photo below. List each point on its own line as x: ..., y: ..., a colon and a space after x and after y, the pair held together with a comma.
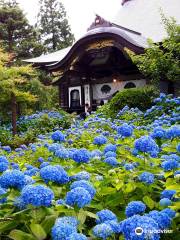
x: 147, y: 177
x: 100, y: 140
x: 125, y: 130
x: 58, y: 136
x: 37, y: 195
x: 86, y: 185
x: 54, y: 174
x: 168, y: 194
x: 12, y: 179
x: 81, y: 156
x: 135, y: 207
x: 3, y: 163
x: 146, y: 144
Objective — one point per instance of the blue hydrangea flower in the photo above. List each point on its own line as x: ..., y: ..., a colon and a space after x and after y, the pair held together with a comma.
x: 81, y: 176
x: 54, y: 174
x: 81, y: 156
x: 60, y: 202
x: 169, y: 165
x: 84, y: 184
x: 147, y: 178
x: 135, y: 207
x: 12, y: 178
x: 77, y: 236
x: 58, y: 136
x: 100, y: 140
x: 3, y: 163
x: 146, y: 144
x: 96, y: 154
x: 102, y: 231
x: 161, y: 218
x: 158, y: 132
x: 62, y: 231
x: 7, y: 148
x: 125, y: 130
x: 19, y: 203
x: 62, y: 153
x: 78, y: 196
x: 110, y: 154
x: 68, y: 220
x: 15, y: 166
x: 129, y: 166
x: 31, y: 172
x: 171, y: 213
x: 37, y: 195
x: 173, y: 132
x: 129, y: 226
x: 168, y: 194
x: 44, y: 164
x: 165, y: 202
x: 178, y: 147
x: 112, y: 161
x: 105, y: 215
x: 110, y: 148
x: 2, y: 192
x: 114, y: 225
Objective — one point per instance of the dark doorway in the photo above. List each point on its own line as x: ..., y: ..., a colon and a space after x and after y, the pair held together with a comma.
x: 75, y: 99
x: 129, y: 85
x: 170, y: 88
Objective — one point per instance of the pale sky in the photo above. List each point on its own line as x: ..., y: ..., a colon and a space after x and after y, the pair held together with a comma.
x: 81, y: 13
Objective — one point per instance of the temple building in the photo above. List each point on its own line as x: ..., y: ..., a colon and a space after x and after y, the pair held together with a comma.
x: 97, y: 66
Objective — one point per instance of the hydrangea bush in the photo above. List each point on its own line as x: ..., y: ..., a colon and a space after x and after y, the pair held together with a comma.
x: 98, y: 179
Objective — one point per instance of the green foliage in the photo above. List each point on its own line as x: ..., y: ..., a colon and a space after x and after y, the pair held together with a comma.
x: 17, y: 35
x: 134, y: 97
x: 161, y: 60
x: 53, y: 25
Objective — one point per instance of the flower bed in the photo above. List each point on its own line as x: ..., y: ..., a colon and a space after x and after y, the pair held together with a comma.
x: 99, y: 179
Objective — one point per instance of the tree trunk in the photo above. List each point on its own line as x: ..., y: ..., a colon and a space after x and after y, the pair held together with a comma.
x: 14, y: 113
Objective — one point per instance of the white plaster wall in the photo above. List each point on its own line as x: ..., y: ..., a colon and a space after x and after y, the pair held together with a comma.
x: 115, y: 86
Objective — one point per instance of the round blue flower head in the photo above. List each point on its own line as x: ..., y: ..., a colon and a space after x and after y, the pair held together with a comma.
x: 173, y: 132
x: 105, y: 215
x: 125, y: 130
x: 86, y: 185
x: 110, y: 154
x: 61, y: 231
x: 168, y: 194
x: 169, y: 165
x: 158, y: 132
x: 81, y: 176
x: 7, y: 148
x: 129, y: 166
x: 161, y: 218
x: 146, y: 144
x: 148, y: 226
x: 54, y: 174
x: 77, y: 236
x: 58, y: 136
x: 62, y: 153
x: 12, y: 178
x: 19, y: 203
x: 100, y: 140
x: 78, y: 196
x: 165, y: 202
x: 110, y: 148
x: 135, y: 207
x: 114, y: 225
x: 44, y: 164
x: 3, y: 163
x: 178, y: 148
x: 67, y: 220
x: 81, y: 156
x: 147, y: 178
x: 37, y: 195
x: 2, y: 192
x: 102, y: 231
x: 32, y: 172
x: 112, y: 161
x: 171, y: 213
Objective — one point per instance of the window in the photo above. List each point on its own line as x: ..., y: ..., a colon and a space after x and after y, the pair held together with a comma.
x: 75, y: 98
x: 129, y: 85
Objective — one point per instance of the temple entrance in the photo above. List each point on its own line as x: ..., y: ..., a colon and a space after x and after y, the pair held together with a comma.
x: 74, y: 97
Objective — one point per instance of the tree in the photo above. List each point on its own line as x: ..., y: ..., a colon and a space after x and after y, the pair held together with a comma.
x: 16, y: 34
x: 161, y: 60
x: 12, y: 82
x: 53, y: 24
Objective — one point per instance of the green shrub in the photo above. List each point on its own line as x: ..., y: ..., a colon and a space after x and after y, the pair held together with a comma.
x: 141, y: 98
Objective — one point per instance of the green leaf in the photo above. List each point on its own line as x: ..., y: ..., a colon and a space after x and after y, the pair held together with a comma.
x: 149, y: 202
x: 20, y: 235
x: 130, y: 187
x: 5, y: 226
x: 82, y: 216
x: 48, y: 223
x: 90, y: 214
x: 38, y: 231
